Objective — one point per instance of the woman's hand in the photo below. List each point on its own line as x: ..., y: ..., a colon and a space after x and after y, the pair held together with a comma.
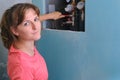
x: 53, y: 15
x: 56, y: 15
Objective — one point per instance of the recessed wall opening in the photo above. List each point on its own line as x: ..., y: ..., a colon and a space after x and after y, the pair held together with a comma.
x: 74, y: 10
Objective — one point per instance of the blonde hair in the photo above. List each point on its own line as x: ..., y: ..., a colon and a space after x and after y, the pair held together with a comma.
x: 12, y: 17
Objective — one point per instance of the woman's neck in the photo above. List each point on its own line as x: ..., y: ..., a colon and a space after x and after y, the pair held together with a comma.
x: 25, y: 46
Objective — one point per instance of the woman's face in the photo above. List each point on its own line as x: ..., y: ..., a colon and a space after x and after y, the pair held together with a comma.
x: 30, y: 28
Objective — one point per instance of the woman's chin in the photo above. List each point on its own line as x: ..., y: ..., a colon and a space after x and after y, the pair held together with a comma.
x: 38, y: 38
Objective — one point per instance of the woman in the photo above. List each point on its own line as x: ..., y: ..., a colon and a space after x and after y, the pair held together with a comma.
x: 20, y: 28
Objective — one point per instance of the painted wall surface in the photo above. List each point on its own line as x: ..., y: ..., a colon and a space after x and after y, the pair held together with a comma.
x: 91, y: 55
x: 63, y: 53
x: 102, y: 28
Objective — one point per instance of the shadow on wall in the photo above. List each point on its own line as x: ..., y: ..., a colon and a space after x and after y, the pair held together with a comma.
x: 3, y: 53
x: 3, y: 71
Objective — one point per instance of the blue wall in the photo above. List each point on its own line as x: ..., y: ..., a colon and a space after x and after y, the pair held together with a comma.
x: 64, y: 53
x: 90, y: 55
x: 102, y: 25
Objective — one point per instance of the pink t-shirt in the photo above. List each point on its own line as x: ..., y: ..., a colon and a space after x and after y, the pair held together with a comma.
x: 24, y: 67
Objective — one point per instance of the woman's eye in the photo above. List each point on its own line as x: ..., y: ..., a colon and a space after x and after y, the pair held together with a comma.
x: 26, y: 23
x: 36, y: 19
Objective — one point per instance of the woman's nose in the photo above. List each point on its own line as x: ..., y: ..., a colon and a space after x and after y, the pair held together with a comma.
x: 33, y: 25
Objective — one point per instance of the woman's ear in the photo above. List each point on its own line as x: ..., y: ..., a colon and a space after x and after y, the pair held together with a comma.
x: 14, y: 31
